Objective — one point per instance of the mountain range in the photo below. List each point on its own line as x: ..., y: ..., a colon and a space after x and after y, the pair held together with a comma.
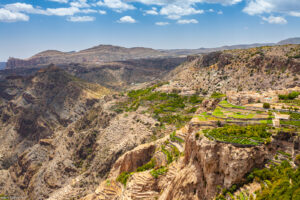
x: 107, y: 53
x: 196, y: 127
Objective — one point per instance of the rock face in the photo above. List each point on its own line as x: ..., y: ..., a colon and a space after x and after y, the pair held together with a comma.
x: 70, y: 140
x: 206, y: 164
x: 209, y: 164
x: 32, y: 110
x: 257, y: 69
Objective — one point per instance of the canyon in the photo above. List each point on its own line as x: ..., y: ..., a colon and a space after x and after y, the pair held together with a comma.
x: 146, y: 124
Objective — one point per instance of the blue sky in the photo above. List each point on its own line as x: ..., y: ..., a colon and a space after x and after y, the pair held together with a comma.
x: 30, y: 26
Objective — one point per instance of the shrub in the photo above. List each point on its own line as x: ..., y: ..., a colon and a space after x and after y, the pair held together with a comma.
x: 195, y: 99
x: 158, y: 172
x: 290, y: 96
x: 147, y: 166
x: 167, y: 153
x: 283, y: 182
x: 123, y: 177
x: 217, y: 95
x: 266, y: 105
x: 174, y: 138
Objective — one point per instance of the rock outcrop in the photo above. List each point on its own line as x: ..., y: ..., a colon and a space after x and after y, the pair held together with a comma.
x: 257, y: 69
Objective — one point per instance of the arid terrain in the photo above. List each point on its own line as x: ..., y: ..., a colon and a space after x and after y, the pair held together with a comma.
x: 146, y: 124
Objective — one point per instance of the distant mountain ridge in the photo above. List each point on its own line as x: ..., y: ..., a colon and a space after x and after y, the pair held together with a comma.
x: 295, y: 40
x: 96, y: 55
x: 108, y: 53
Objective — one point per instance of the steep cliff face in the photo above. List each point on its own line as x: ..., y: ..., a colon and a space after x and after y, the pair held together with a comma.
x: 206, y: 168
x: 74, y: 157
x: 32, y: 110
x: 209, y: 164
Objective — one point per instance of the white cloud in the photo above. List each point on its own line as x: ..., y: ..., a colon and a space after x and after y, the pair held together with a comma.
x: 223, y: 2
x: 220, y: 12
x: 162, y: 23
x: 127, y: 19
x: 274, y: 20
x: 86, y: 11
x: 187, y: 21
x: 258, y: 7
x: 151, y: 12
x: 23, y: 7
x: 177, y: 11
x: 80, y: 4
x: 190, y: 2
x: 255, y: 7
x: 81, y: 19
x: 102, y: 12
x: 9, y: 16
x: 62, y: 11
x: 59, y: 1
x: 295, y: 14
x: 117, y: 5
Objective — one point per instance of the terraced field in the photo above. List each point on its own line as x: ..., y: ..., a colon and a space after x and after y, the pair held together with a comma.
x: 241, y: 125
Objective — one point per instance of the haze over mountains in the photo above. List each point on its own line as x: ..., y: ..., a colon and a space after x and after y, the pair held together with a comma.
x: 107, y: 53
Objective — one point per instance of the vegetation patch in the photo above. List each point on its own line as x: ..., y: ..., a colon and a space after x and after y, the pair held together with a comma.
x: 266, y: 106
x: 295, y: 102
x: 242, y: 116
x: 278, y: 182
x: 266, y: 121
x: 204, y: 117
x: 217, y: 95
x: 123, y: 177
x: 173, y: 138
x: 284, y: 153
x: 147, y: 166
x: 293, y: 123
x: 3, y: 197
x: 166, y: 108
x: 167, y: 153
x: 295, y: 116
x: 218, y: 112
x: 245, y: 135
x: 158, y: 172
x: 290, y: 96
x: 225, y: 104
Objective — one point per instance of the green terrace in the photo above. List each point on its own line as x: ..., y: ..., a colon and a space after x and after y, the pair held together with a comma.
x: 227, y: 112
x: 166, y: 108
x: 225, y: 104
x: 243, y: 135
